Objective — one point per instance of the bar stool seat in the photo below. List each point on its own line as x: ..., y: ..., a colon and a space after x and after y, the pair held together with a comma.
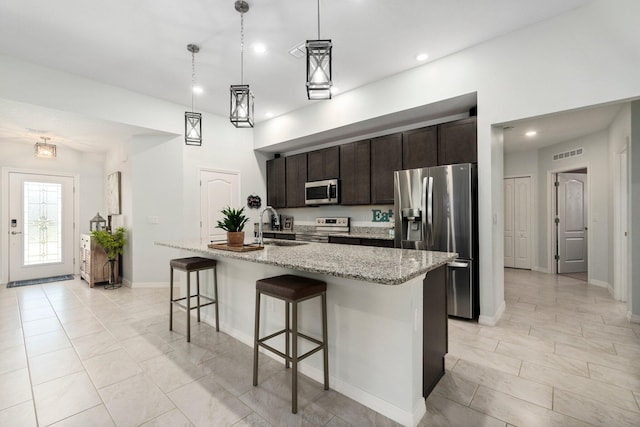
x: 292, y: 290
x: 190, y: 265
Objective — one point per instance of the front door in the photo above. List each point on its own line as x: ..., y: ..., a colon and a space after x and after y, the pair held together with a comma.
x: 41, y: 232
x: 572, y: 222
x: 218, y: 189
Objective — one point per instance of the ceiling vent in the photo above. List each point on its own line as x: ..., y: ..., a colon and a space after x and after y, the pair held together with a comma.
x: 567, y: 154
x: 299, y: 50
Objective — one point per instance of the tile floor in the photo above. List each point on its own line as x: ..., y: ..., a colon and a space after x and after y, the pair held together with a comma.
x: 563, y: 354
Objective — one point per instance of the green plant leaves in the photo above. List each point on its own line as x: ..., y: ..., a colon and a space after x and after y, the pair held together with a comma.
x: 234, y: 219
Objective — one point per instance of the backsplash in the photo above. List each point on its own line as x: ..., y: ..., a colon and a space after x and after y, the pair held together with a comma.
x: 379, y: 216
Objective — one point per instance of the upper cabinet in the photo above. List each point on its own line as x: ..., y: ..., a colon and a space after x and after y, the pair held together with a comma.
x: 366, y: 168
x: 296, y: 176
x: 276, y: 183
x: 323, y: 164
x: 355, y: 173
x: 457, y: 142
x: 420, y: 148
x: 386, y: 158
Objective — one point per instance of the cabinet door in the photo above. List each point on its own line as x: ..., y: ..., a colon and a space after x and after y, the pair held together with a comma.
x: 296, y: 176
x: 355, y: 173
x: 344, y: 240
x: 386, y: 157
x: 276, y: 183
x: 323, y: 164
x: 420, y: 148
x: 457, y: 142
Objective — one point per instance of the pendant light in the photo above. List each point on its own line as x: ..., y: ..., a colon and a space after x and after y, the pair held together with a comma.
x: 241, y: 108
x: 44, y: 150
x: 319, y: 66
x: 193, y: 120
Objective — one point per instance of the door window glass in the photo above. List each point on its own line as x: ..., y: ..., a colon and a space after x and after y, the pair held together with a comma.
x: 43, y: 223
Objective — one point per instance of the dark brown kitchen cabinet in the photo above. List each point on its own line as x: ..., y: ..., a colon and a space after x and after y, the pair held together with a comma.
x: 276, y: 183
x: 457, y: 142
x: 323, y: 164
x: 355, y: 173
x: 296, y: 176
x: 386, y: 157
x: 420, y: 148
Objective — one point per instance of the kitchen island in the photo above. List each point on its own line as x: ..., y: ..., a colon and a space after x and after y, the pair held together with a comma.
x: 386, y: 309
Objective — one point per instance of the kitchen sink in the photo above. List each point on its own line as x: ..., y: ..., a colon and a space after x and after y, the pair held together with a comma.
x: 283, y: 243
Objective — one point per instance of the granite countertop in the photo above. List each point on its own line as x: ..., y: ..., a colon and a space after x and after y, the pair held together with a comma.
x: 386, y: 266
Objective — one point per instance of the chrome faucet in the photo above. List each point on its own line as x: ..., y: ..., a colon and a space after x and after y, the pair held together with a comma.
x: 276, y: 222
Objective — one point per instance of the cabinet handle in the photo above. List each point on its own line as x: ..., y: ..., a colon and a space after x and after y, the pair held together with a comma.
x: 16, y: 232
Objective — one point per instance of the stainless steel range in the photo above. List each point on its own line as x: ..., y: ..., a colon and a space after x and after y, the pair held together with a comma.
x: 324, y: 227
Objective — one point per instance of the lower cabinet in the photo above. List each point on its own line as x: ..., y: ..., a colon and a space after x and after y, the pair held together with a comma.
x: 381, y: 243
x: 93, y: 261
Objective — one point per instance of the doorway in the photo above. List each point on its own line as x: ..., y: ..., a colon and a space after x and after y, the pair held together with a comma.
x: 41, y: 225
x: 218, y: 189
x: 621, y: 227
x: 571, y: 223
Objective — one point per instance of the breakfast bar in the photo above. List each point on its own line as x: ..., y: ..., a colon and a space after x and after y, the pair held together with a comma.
x: 387, y: 315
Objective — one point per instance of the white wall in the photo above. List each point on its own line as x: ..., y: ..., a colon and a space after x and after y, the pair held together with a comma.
x: 89, y: 167
x: 619, y: 133
x: 556, y: 65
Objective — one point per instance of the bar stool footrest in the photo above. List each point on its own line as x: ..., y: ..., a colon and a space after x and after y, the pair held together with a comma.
x: 179, y: 304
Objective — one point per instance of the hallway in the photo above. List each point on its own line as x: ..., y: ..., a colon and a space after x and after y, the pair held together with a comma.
x: 563, y: 354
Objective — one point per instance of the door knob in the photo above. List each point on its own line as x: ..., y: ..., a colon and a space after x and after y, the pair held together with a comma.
x: 16, y: 232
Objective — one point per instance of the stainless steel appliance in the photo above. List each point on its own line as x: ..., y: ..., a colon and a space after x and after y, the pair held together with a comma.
x: 324, y: 227
x: 325, y: 192
x: 436, y: 209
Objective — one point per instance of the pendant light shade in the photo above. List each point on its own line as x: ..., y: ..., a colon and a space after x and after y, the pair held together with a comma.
x: 193, y: 120
x: 241, y: 105
x: 44, y: 150
x: 319, y: 66
x: 319, y: 69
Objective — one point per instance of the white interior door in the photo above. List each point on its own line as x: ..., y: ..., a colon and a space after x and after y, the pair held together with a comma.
x: 517, y: 222
x: 522, y: 222
x: 572, y: 222
x: 218, y: 189
x: 621, y: 238
x: 509, y: 229
x: 41, y: 226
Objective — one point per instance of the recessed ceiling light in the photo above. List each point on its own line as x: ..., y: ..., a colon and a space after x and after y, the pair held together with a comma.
x: 259, y: 48
x: 422, y: 57
x: 198, y: 90
x: 268, y: 114
x: 531, y: 133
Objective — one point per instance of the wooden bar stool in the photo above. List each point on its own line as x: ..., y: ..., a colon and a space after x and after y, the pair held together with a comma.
x: 188, y: 265
x: 292, y: 290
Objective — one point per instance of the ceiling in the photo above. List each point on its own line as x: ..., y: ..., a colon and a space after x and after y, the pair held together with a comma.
x: 141, y: 46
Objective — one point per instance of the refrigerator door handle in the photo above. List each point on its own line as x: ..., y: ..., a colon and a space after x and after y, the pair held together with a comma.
x: 426, y: 232
x: 458, y: 264
x: 430, y: 209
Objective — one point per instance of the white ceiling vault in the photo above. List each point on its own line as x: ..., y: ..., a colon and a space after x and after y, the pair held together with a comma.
x: 141, y: 45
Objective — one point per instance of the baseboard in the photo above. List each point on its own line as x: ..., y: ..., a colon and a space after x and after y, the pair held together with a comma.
x: 492, y: 320
x: 612, y: 292
x: 633, y: 318
x: 410, y: 419
x: 600, y: 283
x: 541, y: 269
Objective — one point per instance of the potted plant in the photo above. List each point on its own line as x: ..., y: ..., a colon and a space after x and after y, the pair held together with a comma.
x: 113, y: 245
x: 233, y: 223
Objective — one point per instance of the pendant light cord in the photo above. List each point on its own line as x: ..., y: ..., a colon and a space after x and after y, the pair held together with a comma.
x: 193, y: 76
x: 241, y: 48
x: 318, y: 19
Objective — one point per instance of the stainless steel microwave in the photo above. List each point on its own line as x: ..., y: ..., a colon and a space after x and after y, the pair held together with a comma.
x: 325, y: 192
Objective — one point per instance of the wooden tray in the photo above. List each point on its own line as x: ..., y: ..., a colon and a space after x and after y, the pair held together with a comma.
x: 225, y: 247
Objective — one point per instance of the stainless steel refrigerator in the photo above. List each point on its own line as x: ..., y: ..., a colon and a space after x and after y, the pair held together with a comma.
x: 436, y: 209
